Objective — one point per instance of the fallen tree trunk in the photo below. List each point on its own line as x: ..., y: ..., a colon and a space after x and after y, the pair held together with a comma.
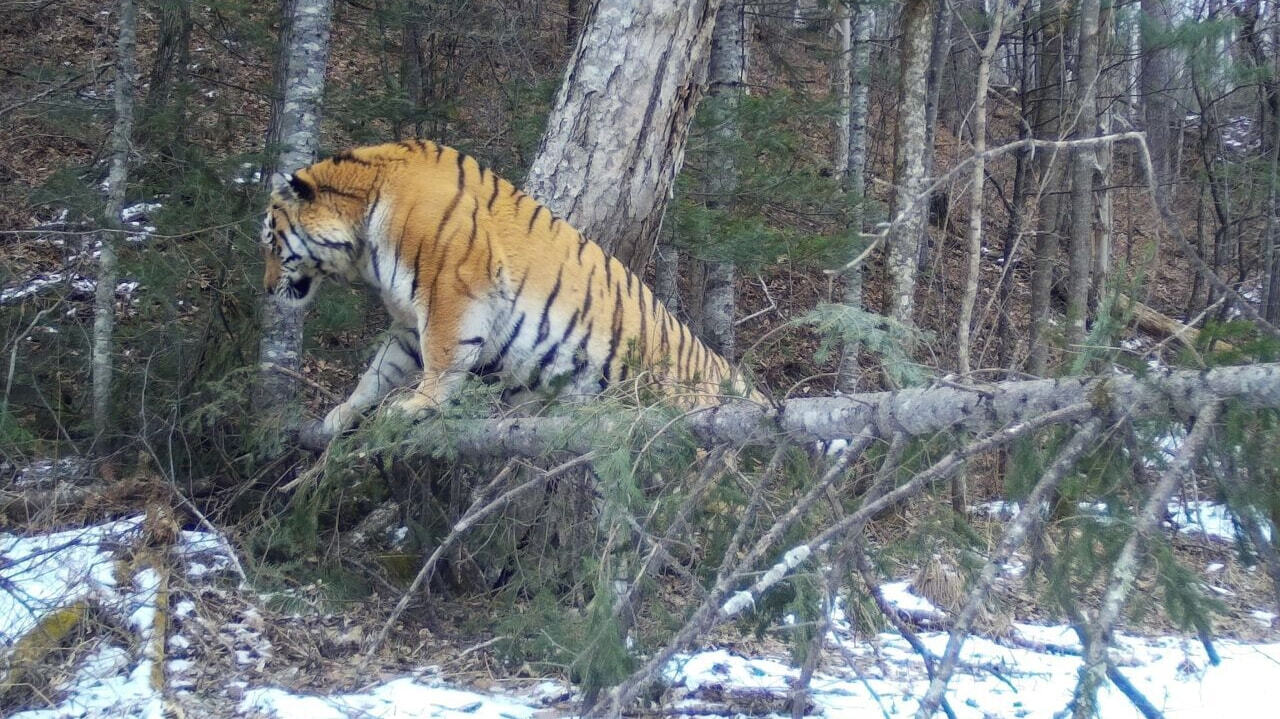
x: 913, y: 412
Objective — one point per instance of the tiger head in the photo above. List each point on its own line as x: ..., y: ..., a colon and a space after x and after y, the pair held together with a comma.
x: 305, y: 238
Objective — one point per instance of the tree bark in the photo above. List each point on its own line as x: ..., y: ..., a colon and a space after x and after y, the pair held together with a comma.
x: 615, y: 137
x: 726, y: 82
x: 169, y: 68
x: 915, y: 412
x: 104, y: 309
x: 1047, y: 124
x: 977, y: 180
x: 1155, y: 86
x: 1083, y: 161
x: 910, y: 180
x: 304, y: 54
x: 939, y: 52
x: 858, y: 56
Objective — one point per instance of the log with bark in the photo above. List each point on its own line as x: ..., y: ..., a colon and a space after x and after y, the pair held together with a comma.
x: 914, y: 412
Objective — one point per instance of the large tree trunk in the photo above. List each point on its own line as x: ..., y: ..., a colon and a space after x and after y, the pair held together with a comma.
x: 615, y: 137
x: 909, y: 171
x: 1083, y: 160
x: 725, y: 84
x: 104, y: 309
x: 304, y: 54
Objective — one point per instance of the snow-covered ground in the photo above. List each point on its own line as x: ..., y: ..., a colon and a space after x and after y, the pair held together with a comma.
x: 863, y: 677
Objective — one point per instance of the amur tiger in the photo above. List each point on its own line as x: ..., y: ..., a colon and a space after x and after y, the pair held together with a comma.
x: 477, y: 277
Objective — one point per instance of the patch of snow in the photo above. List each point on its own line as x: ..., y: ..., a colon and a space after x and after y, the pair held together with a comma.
x: 1210, y: 519
x: 899, y: 595
x: 397, y: 698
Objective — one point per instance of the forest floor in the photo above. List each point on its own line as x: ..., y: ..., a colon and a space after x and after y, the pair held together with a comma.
x: 227, y: 652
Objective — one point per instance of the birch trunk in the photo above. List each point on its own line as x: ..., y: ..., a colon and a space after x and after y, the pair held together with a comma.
x: 615, y: 137
x: 977, y: 180
x: 725, y: 83
x: 304, y: 54
x: 104, y: 308
x: 910, y: 180
x: 1083, y: 160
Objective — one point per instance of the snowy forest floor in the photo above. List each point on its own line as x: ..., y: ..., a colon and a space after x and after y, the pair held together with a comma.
x: 227, y: 654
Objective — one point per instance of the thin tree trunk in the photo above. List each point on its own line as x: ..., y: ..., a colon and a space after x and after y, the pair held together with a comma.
x: 1047, y: 124
x: 615, y: 137
x: 1105, y: 159
x: 1017, y: 216
x: 104, y: 309
x: 304, y: 55
x: 1083, y: 159
x: 1155, y: 85
x: 725, y: 83
x: 910, y: 180
x: 169, y: 68
x: 939, y: 52
x: 854, y: 170
x: 977, y: 180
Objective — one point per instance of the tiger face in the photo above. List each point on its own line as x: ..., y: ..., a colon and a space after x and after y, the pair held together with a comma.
x: 304, y: 240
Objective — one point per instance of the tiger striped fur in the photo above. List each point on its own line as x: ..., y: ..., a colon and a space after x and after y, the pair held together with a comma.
x: 476, y: 276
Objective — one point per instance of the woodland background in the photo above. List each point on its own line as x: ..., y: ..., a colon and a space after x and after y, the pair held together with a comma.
x: 839, y: 208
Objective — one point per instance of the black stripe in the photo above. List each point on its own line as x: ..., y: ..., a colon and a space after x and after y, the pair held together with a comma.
x: 348, y: 156
x: 472, y: 341
x: 409, y: 349
x: 614, y: 337
x: 665, y: 345
x: 534, y: 217
x: 580, y: 357
x: 494, y: 196
x: 439, y: 151
x: 373, y: 206
x: 511, y: 338
x: 586, y: 304
x: 488, y: 262
x: 676, y: 369
x: 643, y: 342
x: 544, y: 323
x: 462, y: 171
x: 471, y: 243
x: 608, y: 271
x: 373, y: 258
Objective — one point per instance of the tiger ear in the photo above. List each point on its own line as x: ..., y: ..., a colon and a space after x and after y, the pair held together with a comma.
x: 292, y: 187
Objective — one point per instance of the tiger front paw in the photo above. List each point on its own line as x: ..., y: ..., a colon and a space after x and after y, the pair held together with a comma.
x: 340, y: 419
x: 414, y: 407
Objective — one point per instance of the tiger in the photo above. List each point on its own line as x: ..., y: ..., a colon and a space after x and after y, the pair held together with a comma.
x: 477, y: 277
